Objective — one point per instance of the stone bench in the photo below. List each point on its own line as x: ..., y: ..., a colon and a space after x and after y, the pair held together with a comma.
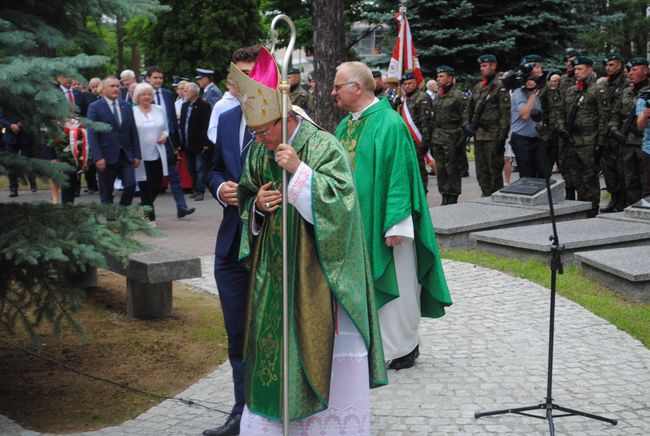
x: 149, y: 276
x: 625, y: 270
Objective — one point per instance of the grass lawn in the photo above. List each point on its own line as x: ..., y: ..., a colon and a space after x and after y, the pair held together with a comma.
x: 162, y: 356
x: 626, y: 314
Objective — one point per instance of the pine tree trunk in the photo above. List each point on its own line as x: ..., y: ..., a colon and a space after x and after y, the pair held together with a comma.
x: 329, y: 52
x: 119, y: 36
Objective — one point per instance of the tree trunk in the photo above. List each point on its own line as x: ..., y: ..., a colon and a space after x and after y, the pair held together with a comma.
x: 119, y: 36
x: 135, y: 59
x: 329, y: 52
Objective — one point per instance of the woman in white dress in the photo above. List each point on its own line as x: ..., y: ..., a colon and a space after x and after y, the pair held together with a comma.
x: 152, y: 127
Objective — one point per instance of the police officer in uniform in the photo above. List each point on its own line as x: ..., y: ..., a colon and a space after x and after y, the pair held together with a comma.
x: 609, y: 155
x: 487, y: 117
x: 379, y: 83
x: 419, y: 107
x: 623, y: 128
x: 298, y: 95
x: 448, y: 135
x: 583, y: 126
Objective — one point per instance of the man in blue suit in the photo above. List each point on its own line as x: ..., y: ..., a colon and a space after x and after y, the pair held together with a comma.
x: 115, y: 152
x: 165, y: 98
x: 232, y: 144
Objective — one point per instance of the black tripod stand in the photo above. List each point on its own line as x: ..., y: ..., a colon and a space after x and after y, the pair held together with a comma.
x: 548, y: 405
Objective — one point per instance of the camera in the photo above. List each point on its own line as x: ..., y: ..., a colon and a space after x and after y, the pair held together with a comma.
x: 646, y: 96
x: 517, y: 78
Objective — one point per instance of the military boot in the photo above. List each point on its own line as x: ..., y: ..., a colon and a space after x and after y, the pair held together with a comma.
x: 445, y: 200
x: 452, y: 199
x: 570, y: 193
x: 593, y: 212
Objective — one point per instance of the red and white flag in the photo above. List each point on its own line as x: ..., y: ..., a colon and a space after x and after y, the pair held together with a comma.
x: 404, y: 57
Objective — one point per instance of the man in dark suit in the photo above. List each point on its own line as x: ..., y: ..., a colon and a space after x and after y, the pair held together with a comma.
x: 195, y: 119
x: 232, y: 143
x: 116, y: 152
x: 165, y: 99
x: 127, y: 78
x: 17, y: 140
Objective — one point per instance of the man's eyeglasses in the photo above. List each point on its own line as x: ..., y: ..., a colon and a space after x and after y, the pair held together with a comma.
x: 265, y: 131
x: 337, y: 88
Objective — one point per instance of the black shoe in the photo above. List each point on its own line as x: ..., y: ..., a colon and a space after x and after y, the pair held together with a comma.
x: 13, y: 193
x: 452, y: 199
x: 192, y: 195
x: 405, y: 361
x: 445, y: 200
x: 34, y: 189
x: 184, y: 211
x: 465, y: 174
x: 198, y: 197
x: 593, y: 212
x: 230, y: 427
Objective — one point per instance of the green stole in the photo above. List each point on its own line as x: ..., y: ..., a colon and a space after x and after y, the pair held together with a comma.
x: 388, y: 183
x: 326, y: 262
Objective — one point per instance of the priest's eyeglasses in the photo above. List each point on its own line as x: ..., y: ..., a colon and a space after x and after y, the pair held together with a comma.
x: 265, y: 131
x: 337, y: 88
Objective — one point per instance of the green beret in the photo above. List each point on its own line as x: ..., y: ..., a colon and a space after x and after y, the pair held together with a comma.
x: 408, y: 76
x: 376, y: 73
x: 613, y: 56
x: 583, y: 60
x: 445, y: 69
x: 487, y: 58
x: 293, y: 70
x: 571, y: 53
x: 637, y: 61
x: 531, y: 58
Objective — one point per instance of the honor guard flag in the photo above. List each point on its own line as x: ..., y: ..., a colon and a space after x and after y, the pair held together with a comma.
x: 404, y: 57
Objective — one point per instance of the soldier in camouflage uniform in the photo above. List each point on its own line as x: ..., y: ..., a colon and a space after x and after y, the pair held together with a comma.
x: 623, y: 128
x: 567, y: 80
x: 583, y: 126
x: 298, y: 95
x: 490, y: 126
x: 448, y: 135
x: 418, y: 104
x: 609, y: 154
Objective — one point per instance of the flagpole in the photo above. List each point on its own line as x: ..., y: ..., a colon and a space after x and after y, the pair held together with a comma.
x: 284, y: 89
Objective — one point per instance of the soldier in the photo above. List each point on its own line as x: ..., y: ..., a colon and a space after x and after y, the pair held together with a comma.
x: 297, y: 94
x: 568, y: 78
x: 623, y: 128
x: 416, y: 111
x: 609, y: 154
x: 583, y: 126
x: 448, y: 134
x: 487, y: 117
x: 379, y: 83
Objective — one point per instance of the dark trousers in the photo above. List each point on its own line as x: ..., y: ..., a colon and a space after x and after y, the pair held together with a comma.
x: 175, y: 185
x: 645, y: 165
x: 26, y: 150
x: 196, y: 167
x: 530, y: 155
x: 150, y: 188
x: 126, y: 172
x: 68, y: 193
x: 91, y: 176
x: 232, y: 282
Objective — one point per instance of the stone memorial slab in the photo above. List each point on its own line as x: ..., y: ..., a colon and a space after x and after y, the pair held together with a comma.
x: 530, y: 191
x: 532, y: 242
x: 626, y: 270
x: 565, y: 207
x: 639, y: 210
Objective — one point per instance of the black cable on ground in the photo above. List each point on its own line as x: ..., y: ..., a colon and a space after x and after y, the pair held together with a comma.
x: 114, y: 383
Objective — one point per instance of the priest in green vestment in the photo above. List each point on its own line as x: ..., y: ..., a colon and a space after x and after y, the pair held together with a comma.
x: 334, y: 341
x: 406, y: 268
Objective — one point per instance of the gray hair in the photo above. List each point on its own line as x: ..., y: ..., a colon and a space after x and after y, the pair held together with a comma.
x: 359, y: 72
x: 127, y: 73
x: 95, y: 81
x: 191, y: 89
x: 139, y: 89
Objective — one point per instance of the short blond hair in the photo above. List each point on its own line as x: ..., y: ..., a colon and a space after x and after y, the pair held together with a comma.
x: 139, y: 89
x: 359, y: 72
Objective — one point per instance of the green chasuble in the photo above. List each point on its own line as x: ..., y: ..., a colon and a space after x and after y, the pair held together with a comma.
x: 327, y: 266
x: 388, y: 182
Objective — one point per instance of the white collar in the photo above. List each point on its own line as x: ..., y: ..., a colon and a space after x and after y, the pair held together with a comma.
x: 356, y: 115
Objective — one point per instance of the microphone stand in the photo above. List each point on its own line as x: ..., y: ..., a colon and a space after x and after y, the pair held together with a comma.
x: 549, y: 406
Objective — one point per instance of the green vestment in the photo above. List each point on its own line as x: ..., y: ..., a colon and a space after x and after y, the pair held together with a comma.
x: 388, y: 183
x: 327, y: 265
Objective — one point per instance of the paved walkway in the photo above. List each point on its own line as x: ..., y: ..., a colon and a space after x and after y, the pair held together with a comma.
x: 489, y: 352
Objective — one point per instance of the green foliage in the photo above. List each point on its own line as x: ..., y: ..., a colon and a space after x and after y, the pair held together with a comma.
x: 39, y: 258
x: 196, y: 34
x: 41, y: 245
x: 628, y: 315
x: 456, y: 32
x: 628, y: 33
